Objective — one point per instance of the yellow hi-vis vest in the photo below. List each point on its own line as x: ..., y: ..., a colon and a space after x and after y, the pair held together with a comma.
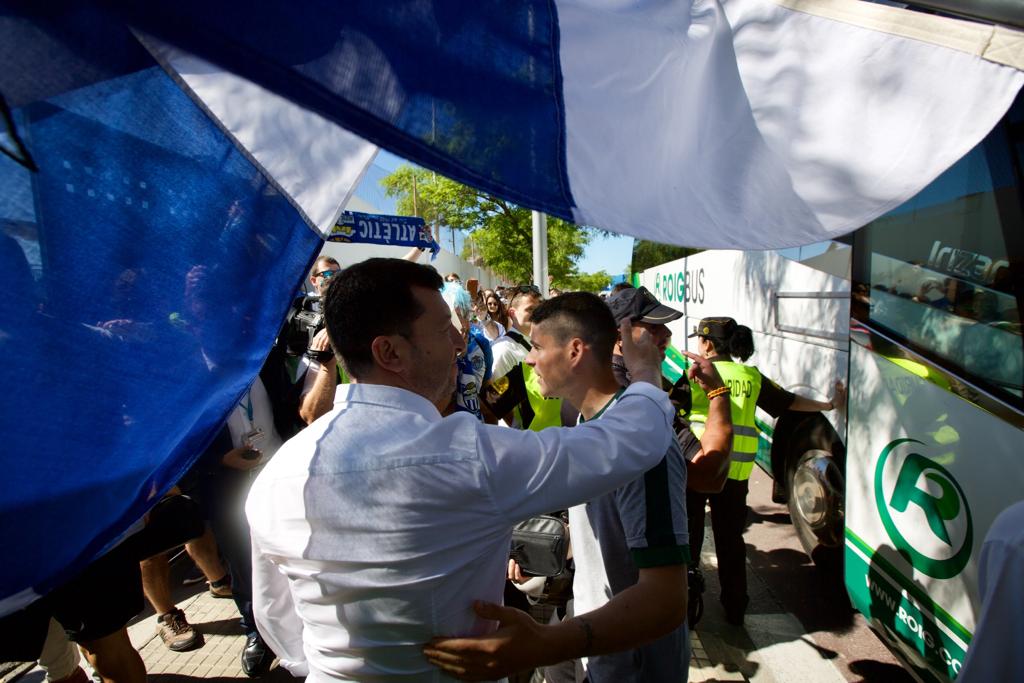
x: 744, y: 384
x: 546, y: 412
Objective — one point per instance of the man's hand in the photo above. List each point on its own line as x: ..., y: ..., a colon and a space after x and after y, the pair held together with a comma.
x: 518, y: 644
x: 839, y: 399
x: 642, y: 355
x: 515, y: 572
x: 703, y: 372
x: 321, y: 342
x: 241, y: 458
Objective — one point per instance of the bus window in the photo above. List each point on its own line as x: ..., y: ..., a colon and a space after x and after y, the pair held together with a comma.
x: 941, y: 272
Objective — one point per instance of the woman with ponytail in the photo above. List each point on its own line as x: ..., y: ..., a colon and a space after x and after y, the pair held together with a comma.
x: 722, y: 340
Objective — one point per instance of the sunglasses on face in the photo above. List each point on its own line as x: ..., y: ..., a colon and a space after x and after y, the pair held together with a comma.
x: 327, y: 273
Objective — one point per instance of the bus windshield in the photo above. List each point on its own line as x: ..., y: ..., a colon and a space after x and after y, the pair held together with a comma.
x: 942, y: 273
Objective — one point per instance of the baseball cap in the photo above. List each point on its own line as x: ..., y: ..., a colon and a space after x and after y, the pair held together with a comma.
x: 640, y: 305
x: 716, y: 328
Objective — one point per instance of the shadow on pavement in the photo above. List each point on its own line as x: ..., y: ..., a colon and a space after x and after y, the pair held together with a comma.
x: 219, y: 627
x: 815, y: 595
x: 879, y: 672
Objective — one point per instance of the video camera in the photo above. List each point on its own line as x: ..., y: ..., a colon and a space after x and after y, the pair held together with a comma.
x: 305, y: 320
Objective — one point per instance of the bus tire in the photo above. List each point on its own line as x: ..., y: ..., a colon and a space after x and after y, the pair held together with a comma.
x: 816, y: 486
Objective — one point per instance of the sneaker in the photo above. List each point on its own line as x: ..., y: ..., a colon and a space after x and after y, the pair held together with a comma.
x: 194, y: 577
x: 177, y: 634
x: 221, y: 591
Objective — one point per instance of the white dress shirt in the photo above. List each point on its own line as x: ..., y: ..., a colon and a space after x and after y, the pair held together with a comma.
x: 375, y: 528
x: 506, y: 353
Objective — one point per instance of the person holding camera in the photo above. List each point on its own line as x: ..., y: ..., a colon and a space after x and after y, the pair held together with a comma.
x: 321, y: 376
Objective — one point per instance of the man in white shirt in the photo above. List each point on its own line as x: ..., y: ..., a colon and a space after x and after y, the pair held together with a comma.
x: 377, y: 527
x: 510, y: 349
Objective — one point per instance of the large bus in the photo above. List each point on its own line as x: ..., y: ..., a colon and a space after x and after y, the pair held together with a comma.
x: 919, y: 313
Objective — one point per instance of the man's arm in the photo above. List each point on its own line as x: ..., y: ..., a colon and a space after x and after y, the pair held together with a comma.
x: 709, y: 468
x: 274, y: 610
x: 530, y: 473
x: 653, y: 606
x: 506, y: 357
x: 807, y: 405
x: 318, y: 399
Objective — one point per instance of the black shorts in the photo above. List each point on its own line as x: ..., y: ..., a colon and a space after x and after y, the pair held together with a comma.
x: 98, y: 602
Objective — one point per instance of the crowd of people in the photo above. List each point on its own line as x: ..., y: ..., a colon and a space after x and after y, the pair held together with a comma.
x: 358, y: 502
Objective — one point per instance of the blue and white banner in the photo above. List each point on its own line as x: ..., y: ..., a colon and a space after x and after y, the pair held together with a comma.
x: 395, y: 231
x: 190, y: 158
x: 707, y: 123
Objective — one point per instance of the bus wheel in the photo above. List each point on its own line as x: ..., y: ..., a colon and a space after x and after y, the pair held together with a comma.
x: 816, y: 486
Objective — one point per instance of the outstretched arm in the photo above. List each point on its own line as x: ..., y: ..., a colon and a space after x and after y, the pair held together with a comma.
x: 808, y: 405
x: 709, y: 468
x: 645, y: 611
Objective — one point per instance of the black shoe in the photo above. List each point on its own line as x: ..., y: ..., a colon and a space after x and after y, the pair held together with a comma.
x: 734, y: 612
x: 256, y: 657
x: 734, y: 617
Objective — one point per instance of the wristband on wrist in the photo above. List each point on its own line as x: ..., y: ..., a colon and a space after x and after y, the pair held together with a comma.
x: 720, y: 391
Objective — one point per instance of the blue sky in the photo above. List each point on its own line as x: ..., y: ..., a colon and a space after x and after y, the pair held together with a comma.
x: 610, y: 254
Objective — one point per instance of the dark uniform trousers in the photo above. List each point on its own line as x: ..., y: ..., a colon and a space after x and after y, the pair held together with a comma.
x: 728, y: 521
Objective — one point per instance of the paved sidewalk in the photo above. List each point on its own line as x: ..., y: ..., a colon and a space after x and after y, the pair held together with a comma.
x: 770, y: 648
x: 219, y: 657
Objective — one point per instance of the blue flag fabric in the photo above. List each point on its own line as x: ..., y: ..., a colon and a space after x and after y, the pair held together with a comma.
x: 370, y: 228
x: 146, y: 268
x: 147, y: 262
x: 658, y: 119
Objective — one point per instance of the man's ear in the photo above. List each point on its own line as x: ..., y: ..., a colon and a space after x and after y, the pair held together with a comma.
x: 576, y: 346
x: 390, y: 352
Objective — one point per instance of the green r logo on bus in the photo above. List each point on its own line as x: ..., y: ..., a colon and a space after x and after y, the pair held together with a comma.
x: 938, y: 510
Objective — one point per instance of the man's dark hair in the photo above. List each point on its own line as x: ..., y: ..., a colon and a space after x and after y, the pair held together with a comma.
x: 619, y: 286
x: 323, y: 259
x: 583, y: 315
x: 521, y: 292
x: 372, y: 299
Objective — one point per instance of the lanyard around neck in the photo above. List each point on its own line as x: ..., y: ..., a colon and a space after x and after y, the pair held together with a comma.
x: 247, y: 405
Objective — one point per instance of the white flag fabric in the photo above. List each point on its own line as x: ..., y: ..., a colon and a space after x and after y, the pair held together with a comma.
x: 769, y: 125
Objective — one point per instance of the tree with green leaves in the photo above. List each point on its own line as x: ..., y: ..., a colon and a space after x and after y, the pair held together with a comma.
x: 585, y: 282
x: 499, y: 233
x: 647, y: 254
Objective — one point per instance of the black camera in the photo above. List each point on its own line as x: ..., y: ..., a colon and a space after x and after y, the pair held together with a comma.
x: 305, y: 320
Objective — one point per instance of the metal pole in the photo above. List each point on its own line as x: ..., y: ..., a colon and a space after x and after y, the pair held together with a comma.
x: 540, y: 251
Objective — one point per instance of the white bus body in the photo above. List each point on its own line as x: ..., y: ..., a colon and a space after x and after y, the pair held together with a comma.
x: 921, y: 319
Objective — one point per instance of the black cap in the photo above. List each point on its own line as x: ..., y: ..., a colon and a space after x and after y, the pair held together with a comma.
x: 716, y: 328
x: 640, y: 305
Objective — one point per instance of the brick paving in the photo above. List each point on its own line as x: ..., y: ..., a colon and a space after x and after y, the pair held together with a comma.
x: 218, y: 659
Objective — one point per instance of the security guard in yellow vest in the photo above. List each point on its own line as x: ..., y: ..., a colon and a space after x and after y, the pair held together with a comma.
x: 720, y: 340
